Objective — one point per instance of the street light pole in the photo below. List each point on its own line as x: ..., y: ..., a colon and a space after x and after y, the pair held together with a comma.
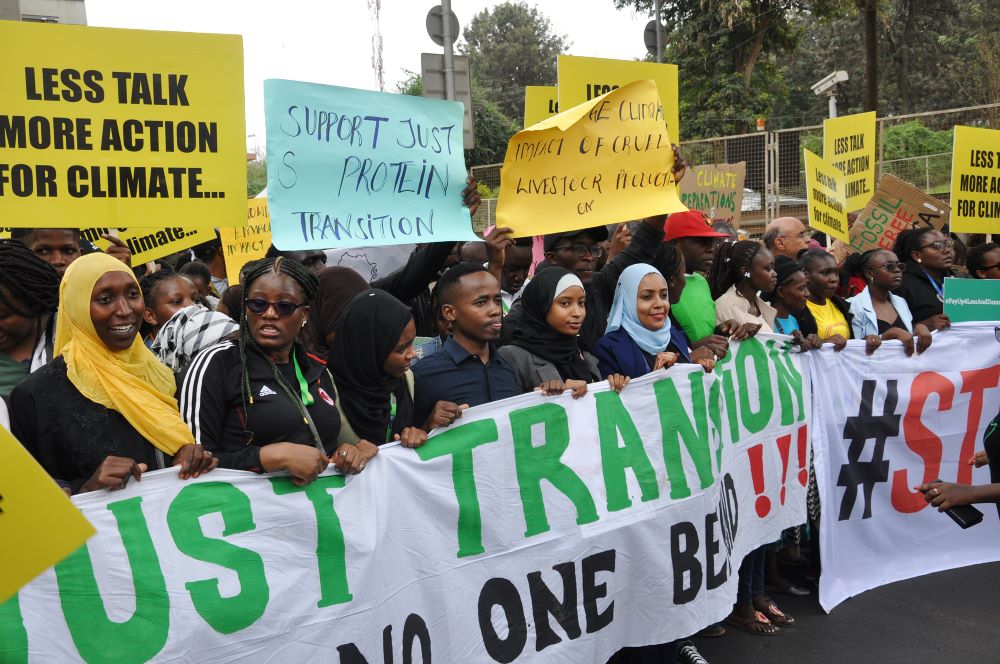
x: 449, y: 59
x: 659, y: 32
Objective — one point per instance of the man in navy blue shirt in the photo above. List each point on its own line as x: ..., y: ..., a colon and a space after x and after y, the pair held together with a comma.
x: 467, y: 370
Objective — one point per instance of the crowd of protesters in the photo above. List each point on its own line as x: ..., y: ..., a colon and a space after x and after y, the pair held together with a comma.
x: 108, y: 371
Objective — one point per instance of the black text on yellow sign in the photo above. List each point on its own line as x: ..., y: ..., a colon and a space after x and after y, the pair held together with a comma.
x: 120, y: 128
x: 975, y: 180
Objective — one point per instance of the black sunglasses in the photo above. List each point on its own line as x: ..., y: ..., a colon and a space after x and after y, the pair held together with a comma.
x: 283, y: 308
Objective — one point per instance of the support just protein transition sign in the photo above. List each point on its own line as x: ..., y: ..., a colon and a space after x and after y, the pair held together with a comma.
x: 532, y: 530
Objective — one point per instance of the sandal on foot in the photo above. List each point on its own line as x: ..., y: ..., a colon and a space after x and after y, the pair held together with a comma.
x: 712, y: 631
x: 758, y: 625
x: 767, y: 606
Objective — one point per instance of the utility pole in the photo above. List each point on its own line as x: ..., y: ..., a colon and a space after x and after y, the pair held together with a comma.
x: 659, y: 32
x: 449, y: 55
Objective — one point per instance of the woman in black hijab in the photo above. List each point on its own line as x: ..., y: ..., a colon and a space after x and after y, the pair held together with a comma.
x: 545, y: 350
x: 338, y: 286
x: 370, y: 358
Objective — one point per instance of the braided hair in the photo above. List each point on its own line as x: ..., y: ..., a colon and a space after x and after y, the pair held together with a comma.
x: 909, y: 241
x: 732, y: 262
x: 668, y: 259
x: 857, y: 264
x: 27, y: 279
x: 308, y: 283
x: 149, y: 283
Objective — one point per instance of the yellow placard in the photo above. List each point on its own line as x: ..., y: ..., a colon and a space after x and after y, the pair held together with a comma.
x: 582, y: 79
x: 148, y: 244
x: 242, y: 245
x: 120, y: 128
x: 849, y: 145
x: 4, y: 233
x: 601, y: 162
x: 39, y: 526
x: 825, y: 187
x: 975, y: 180
x: 540, y: 102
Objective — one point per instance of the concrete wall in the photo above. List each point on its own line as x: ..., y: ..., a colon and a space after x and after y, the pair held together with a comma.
x: 10, y: 10
x: 64, y: 11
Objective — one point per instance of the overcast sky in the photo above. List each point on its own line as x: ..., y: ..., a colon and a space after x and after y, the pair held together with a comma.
x: 330, y: 41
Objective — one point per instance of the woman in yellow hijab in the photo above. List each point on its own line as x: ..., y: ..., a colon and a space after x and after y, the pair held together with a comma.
x: 103, y: 410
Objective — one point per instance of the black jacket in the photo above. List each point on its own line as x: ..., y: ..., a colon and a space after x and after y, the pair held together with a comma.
x: 920, y: 295
x: 68, y: 434
x: 211, y: 402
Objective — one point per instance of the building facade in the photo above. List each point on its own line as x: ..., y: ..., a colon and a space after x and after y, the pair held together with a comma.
x: 44, y: 11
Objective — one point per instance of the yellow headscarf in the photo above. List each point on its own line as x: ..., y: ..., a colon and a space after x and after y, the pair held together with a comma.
x: 133, y: 381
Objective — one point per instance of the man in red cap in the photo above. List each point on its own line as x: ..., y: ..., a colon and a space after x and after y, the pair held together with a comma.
x: 695, y: 238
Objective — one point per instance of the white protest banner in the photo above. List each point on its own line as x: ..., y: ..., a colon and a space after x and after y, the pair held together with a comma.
x: 355, y: 168
x: 884, y: 424
x: 533, y: 530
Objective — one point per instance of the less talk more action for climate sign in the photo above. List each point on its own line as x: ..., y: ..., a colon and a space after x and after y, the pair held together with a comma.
x: 120, y: 128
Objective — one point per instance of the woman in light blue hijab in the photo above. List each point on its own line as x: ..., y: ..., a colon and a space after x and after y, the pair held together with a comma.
x: 639, y: 337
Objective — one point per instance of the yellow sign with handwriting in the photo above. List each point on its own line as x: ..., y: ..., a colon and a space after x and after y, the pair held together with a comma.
x: 604, y: 161
x: 825, y: 186
x: 250, y: 243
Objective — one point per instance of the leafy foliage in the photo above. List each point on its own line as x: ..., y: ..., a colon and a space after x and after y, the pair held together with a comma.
x: 256, y: 177
x: 510, y: 47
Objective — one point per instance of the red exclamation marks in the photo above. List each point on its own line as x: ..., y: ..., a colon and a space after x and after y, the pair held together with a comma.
x: 803, y: 470
x: 763, y: 503
x: 784, y: 447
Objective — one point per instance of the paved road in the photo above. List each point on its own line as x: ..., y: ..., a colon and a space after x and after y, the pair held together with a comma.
x: 941, y: 618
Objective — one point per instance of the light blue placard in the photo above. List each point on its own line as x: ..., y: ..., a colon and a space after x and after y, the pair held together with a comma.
x: 351, y: 168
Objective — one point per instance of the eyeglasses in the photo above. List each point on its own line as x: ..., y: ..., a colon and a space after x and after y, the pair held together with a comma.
x: 940, y: 245
x: 283, y: 308
x: 989, y: 267
x: 892, y: 267
x: 582, y: 250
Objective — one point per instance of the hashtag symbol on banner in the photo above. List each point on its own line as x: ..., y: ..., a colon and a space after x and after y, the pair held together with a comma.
x: 859, y: 429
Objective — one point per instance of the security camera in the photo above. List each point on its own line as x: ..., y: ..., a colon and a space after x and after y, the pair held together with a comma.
x: 828, y: 83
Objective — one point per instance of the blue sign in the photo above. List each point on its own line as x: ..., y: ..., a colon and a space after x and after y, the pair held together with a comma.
x: 351, y: 168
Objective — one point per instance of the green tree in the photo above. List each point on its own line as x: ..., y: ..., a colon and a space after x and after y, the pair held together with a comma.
x: 256, y: 177
x: 509, y: 47
x: 730, y: 54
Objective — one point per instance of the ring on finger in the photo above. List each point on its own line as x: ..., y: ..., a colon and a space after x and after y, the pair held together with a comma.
x: 343, y: 453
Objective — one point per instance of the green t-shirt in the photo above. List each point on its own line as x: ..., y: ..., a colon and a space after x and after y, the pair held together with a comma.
x: 696, y: 309
x: 12, y: 372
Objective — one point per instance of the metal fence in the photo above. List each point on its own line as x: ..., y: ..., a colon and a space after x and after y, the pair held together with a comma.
x: 775, y: 180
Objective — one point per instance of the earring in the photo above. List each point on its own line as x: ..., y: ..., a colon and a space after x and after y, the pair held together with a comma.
x: 746, y: 275
x: 920, y: 260
x: 304, y: 323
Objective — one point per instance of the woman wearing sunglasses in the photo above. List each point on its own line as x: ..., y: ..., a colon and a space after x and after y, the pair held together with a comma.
x: 927, y: 255
x: 876, y: 310
x: 262, y: 403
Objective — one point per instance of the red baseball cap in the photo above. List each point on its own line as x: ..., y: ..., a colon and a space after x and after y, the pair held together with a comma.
x: 689, y: 224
